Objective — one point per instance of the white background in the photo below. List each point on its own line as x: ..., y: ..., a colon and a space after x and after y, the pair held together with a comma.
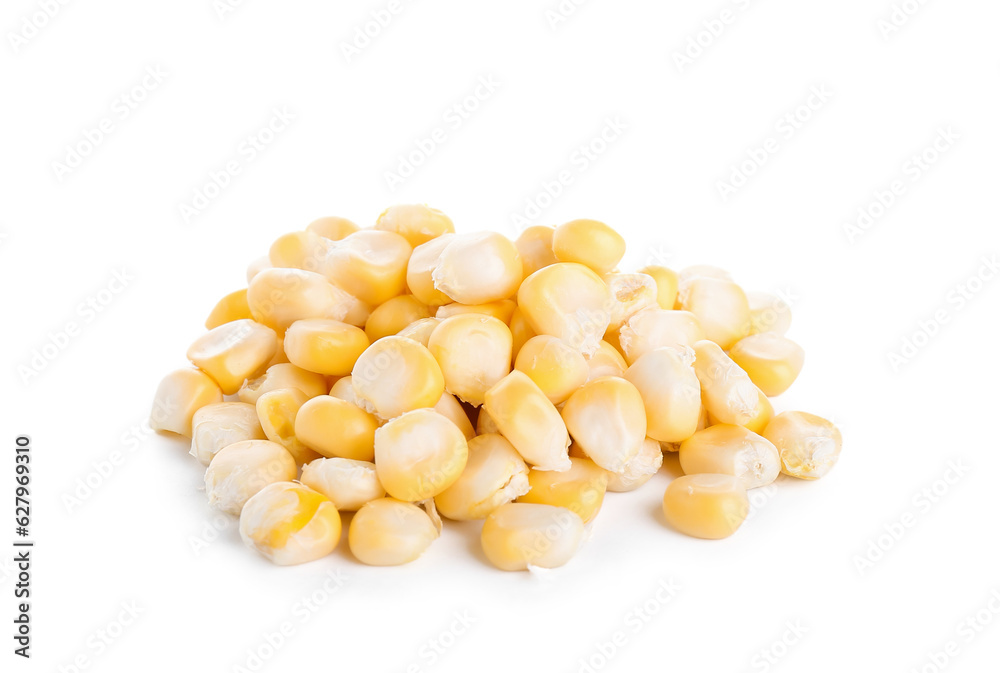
x: 855, y: 299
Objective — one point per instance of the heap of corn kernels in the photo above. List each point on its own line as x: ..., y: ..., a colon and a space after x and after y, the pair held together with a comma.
x: 403, y: 371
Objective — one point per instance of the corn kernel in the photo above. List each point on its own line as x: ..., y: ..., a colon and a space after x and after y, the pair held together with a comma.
x: 721, y: 307
x: 529, y: 421
x: 369, y: 264
x: 216, y: 426
x: 282, y: 375
x: 605, y: 361
x: 333, y: 228
x: 588, y: 242
x: 256, y: 266
x: 180, y: 394
x: 241, y: 470
x: 494, y: 475
x: 485, y: 425
x: 688, y: 274
x: 452, y: 409
x: 670, y: 392
x: 290, y: 523
x: 770, y: 360
x: 299, y: 250
x: 326, y: 347
x: 726, y: 391
x: 419, y: 454
x: 768, y: 313
x: 568, y: 301
x: 279, y: 356
x: 474, y: 353
x: 520, y: 331
x: 639, y: 470
x: 420, y: 330
x: 554, y: 367
x: 606, y: 417
x: 478, y: 268
x: 580, y: 489
x: 709, y: 506
x: 279, y: 297
x: 521, y: 535
x: 336, y: 428
x: 809, y: 445
x: 731, y: 449
x: 277, y: 410
x: 416, y: 223
x: 388, y: 532
x: 666, y: 285
x: 655, y: 328
x: 765, y: 412
x: 348, y: 484
x: 630, y: 293
x: 535, y: 247
x: 394, y: 315
x: 501, y: 310
x: 420, y: 271
x: 396, y: 375
x: 231, y: 307
x: 233, y: 352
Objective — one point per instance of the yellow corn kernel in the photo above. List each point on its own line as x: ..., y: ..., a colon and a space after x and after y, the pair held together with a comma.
x: 231, y: 307
x: 639, y: 470
x: 279, y: 297
x: 606, y: 417
x: 394, y: 315
x: 529, y: 421
x: 452, y: 409
x: 474, y: 352
x: 369, y: 264
x: 494, y: 475
x: 568, y: 301
x: 554, y: 367
x: 333, y: 228
x: 420, y: 271
x: 630, y: 293
x: 277, y: 410
x: 605, y: 361
x: 180, y: 394
x: 326, y: 347
x: 709, y: 506
x: 299, y: 250
x: 290, y: 524
x: 417, y: 223
x: 420, y: 330
x: 348, y: 484
x: 521, y: 535
x: 726, y: 391
x: 580, y: 489
x: 588, y: 242
x: 768, y: 313
x: 485, y: 425
x: 336, y: 428
x: 731, y: 449
x: 256, y: 266
x: 770, y: 360
x: 419, y: 454
x: 216, y: 426
x: 501, y: 310
x: 809, y: 445
x: 396, y: 375
x: 282, y: 375
x: 765, y: 412
x: 388, y: 532
x: 666, y: 285
x: 520, y: 330
x: 535, y: 247
x: 670, y: 392
x: 721, y: 307
x: 241, y: 470
x: 233, y: 352
x: 478, y: 268
x: 655, y: 328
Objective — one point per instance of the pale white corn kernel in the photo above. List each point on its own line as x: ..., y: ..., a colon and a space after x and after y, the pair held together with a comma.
x: 768, y: 313
x: 180, y: 394
x: 670, y: 392
x: 388, y: 532
x: 630, y: 293
x: 654, y: 328
x: 241, y: 470
x: 494, y: 475
x: 568, y: 301
x: 256, y: 266
x: 279, y: 297
x: 606, y: 417
x: 726, y: 391
x: 502, y: 310
x: 420, y: 271
x: 347, y: 483
x: 396, y: 375
x: 639, y: 470
x: 474, y: 353
x: 528, y: 420
x: 289, y: 523
x: 731, y: 449
x: 535, y: 247
x: 216, y: 426
x: 478, y: 268
x: 721, y: 307
x: 809, y: 445
x: 419, y: 454
x: 521, y: 535
x: 282, y: 375
x: 605, y: 361
x: 421, y: 330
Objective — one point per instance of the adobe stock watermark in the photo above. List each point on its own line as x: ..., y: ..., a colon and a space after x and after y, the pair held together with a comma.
x: 769, y: 656
x: 99, y: 642
x: 785, y: 129
x: 967, y: 631
x: 922, y: 503
x: 955, y: 299
x: 899, y: 15
x: 561, y: 12
x: 910, y: 173
x: 712, y: 28
x: 247, y: 151
x: 223, y: 8
x: 432, y: 650
x: 452, y: 119
x: 365, y: 34
x: 33, y: 23
x: 121, y: 108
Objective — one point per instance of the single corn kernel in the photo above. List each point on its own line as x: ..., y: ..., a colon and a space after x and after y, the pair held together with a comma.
x: 494, y: 475
x: 420, y: 271
x: 333, y: 228
x: 520, y: 330
x: 639, y: 470
x: 394, y: 315
x: 388, y: 532
x: 501, y: 310
x: 478, y: 268
x: 241, y: 470
x: 726, y: 391
x: 809, y: 445
x: 279, y: 297
x: 485, y: 425
x: 369, y: 264
x: 233, y: 352
x: 535, y: 247
x: 452, y: 409
x: 299, y: 250
x: 256, y: 266
x: 326, y: 347
x: 216, y: 426
x: 658, y: 328
x: 231, y: 307
x: 396, y: 375
x: 731, y: 449
x: 666, y: 285
x: 521, y: 536
x: 721, y: 308
x: 588, y: 242
x: 568, y: 301
x: 688, y: 274
x: 419, y: 454
x: 606, y: 417
x: 336, y: 428
x: 282, y: 375
x: 709, y: 506
x: 770, y: 360
x: 529, y: 421
x: 290, y: 523
x: 670, y: 392
x: 554, y: 367
x: 276, y: 411
x: 474, y: 352
x: 605, y: 361
x: 420, y: 330
x: 768, y: 313
x: 630, y: 293
x: 343, y: 389
x: 580, y: 489
x: 417, y: 223
x: 180, y: 394
x: 348, y: 484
